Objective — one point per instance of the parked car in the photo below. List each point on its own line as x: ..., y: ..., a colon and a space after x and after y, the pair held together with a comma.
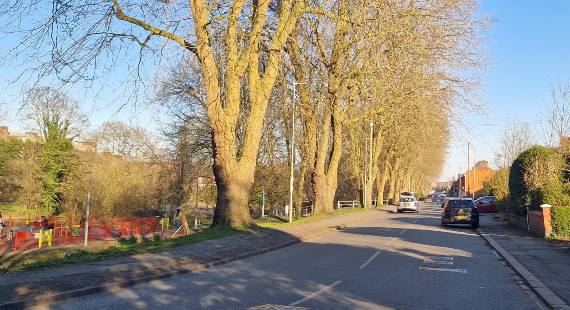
x: 408, y: 203
x: 441, y: 199
x: 486, y: 204
x: 459, y: 211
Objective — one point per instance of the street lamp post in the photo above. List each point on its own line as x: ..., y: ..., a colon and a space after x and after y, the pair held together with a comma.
x: 365, y: 174
x: 90, y: 176
x: 292, y: 172
x: 370, y: 160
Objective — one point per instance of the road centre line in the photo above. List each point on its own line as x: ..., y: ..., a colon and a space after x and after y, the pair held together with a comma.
x: 315, y: 294
x: 369, y: 260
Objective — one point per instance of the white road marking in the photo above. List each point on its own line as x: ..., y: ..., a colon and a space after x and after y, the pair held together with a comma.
x: 315, y: 294
x: 368, y: 261
x: 443, y: 269
x: 403, y: 232
x: 438, y: 262
x: 440, y: 257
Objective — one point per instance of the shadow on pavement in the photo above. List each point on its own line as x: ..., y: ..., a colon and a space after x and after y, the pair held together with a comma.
x: 328, y: 275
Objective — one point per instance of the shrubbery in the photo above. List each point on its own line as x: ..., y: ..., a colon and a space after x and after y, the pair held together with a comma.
x: 536, y: 178
x: 560, y: 222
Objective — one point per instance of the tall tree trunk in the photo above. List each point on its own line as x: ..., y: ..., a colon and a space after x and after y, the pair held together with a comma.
x: 378, y: 143
x: 307, y: 160
x: 325, y: 177
x: 318, y: 177
x: 309, y: 124
x: 394, y: 176
x: 381, y: 183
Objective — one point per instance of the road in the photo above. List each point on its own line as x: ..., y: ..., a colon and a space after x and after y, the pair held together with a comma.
x: 388, y: 261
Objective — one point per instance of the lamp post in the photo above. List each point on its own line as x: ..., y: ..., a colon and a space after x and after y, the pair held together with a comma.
x: 292, y: 172
x: 90, y: 176
x: 370, y: 160
x: 365, y: 174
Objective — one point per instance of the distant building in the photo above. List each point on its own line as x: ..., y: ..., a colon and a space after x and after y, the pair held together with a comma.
x: 28, y: 136
x: 4, y: 132
x: 86, y: 146
x: 565, y: 144
x: 477, y: 177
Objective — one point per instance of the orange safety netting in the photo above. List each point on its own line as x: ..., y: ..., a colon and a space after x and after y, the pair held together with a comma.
x: 22, y: 233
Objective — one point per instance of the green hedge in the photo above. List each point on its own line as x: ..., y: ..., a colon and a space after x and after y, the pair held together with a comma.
x: 536, y: 178
x: 560, y: 222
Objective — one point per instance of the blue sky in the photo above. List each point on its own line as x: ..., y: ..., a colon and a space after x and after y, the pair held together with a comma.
x: 528, y: 47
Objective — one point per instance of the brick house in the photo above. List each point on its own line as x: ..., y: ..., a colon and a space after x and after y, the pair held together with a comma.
x: 477, y: 177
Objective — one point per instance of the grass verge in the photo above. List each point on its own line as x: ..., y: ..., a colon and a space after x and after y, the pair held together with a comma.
x: 272, y: 223
x: 59, y: 257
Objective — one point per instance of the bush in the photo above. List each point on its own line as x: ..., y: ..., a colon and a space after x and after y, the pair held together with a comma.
x: 536, y: 178
x: 552, y: 194
x: 498, y: 186
x: 132, y: 240
x: 76, y: 255
x: 560, y: 222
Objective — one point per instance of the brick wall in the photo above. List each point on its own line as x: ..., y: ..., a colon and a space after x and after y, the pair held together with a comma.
x: 540, y: 222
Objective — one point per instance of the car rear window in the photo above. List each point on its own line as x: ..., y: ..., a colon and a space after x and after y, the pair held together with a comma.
x: 460, y: 204
x: 406, y: 199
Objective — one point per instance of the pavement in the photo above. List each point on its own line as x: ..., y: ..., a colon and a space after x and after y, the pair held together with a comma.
x: 20, y: 289
x: 544, y: 264
x: 382, y: 260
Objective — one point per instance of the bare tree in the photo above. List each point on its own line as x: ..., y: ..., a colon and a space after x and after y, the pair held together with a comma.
x: 516, y: 138
x: 129, y: 142
x: 558, y: 112
x: 54, y: 113
x: 237, y: 44
x: 3, y: 111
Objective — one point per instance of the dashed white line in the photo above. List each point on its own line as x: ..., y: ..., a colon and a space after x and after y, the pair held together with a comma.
x: 369, y: 260
x: 315, y: 294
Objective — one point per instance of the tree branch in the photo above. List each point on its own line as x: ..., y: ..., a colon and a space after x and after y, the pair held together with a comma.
x: 154, y: 30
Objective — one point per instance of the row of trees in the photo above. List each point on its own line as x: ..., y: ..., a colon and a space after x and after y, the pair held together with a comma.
x: 402, y: 66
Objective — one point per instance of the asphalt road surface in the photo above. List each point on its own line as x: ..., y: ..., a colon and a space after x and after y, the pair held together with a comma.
x: 389, y: 261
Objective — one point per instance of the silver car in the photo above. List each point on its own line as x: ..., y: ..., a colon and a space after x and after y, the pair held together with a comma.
x: 408, y: 203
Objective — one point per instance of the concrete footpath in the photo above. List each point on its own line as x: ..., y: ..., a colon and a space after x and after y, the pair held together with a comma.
x: 21, y: 289
x: 544, y: 264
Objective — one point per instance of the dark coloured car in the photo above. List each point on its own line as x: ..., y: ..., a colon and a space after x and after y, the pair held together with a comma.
x: 459, y: 211
x: 486, y: 204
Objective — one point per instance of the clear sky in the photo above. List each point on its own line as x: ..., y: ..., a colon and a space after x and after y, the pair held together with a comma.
x: 529, y: 47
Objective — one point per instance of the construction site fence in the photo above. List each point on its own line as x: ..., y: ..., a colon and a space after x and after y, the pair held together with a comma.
x: 24, y: 233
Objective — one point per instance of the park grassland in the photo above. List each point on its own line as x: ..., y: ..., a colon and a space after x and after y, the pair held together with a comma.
x: 270, y: 223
